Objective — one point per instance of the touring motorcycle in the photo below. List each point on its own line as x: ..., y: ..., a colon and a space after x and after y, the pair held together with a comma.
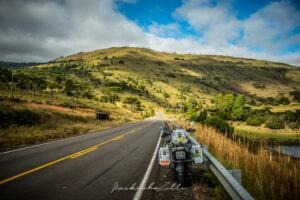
x: 179, y: 153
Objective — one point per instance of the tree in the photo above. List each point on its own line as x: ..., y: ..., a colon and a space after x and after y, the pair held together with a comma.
x: 192, y: 103
x: 5, y: 75
x: 284, y: 100
x: 275, y: 122
x: 133, y: 101
x: 218, y: 101
x: 104, y: 99
x: 69, y: 85
x: 78, y: 88
x: 166, y: 95
x: 112, y: 94
x: 238, y: 109
x: 224, y: 105
x: 38, y: 83
x: 202, y: 116
x: 53, y: 86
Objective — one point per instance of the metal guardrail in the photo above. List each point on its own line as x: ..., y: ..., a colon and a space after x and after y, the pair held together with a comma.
x: 234, y: 189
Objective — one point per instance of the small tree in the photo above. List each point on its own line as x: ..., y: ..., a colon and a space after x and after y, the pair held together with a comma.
x: 69, y: 86
x: 224, y: 105
x: 192, y: 103
x: 103, y: 99
x: 166, y: 95
x: 238, y: 109
x: 112, y: 94
x: 133, y: 101
x: 275, y: 123
x: 53, y: 87
x: 78, y: 89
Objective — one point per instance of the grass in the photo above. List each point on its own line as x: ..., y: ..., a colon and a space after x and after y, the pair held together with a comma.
x: 258, y: 133
x: 207, y: 75
x: 282, y: 108
x: 61, y: 122
x: 265, y: 175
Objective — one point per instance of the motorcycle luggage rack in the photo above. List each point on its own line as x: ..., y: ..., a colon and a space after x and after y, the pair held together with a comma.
x: 183, y: 161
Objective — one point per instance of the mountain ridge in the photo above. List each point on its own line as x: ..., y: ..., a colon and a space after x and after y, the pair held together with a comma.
x: 166, y: 78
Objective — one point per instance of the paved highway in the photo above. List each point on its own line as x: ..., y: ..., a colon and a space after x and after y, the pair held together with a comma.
x: 93, y: 166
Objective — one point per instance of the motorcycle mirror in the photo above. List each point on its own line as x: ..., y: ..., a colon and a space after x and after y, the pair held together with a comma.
x: 192, y: 123
x: 165, y: 134
x: 162, y: 128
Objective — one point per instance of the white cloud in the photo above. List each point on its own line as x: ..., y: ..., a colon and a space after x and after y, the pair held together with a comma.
x: 215, y: 23
x: 168, y: 30
x: 40, y: 30
x: 44, y: 30
x: 271, y: 27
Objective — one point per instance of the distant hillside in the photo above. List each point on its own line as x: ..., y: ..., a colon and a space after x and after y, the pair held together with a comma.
x: 164, y: 78
x: 16, y: 65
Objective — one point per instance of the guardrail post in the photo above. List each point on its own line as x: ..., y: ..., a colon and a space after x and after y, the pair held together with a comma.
x: 237, y: 174
x: 204, y: 146
x: 229, y: 179
x: 206, y: 161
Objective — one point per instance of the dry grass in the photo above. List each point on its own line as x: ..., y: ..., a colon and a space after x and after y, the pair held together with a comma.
x: 283, y: 108
x: 63, y: 122
x: 265, y: 175
x: 257, y: 133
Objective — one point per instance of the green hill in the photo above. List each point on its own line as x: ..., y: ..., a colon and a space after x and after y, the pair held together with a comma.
x: 160, y: 78
x: 59, y: 98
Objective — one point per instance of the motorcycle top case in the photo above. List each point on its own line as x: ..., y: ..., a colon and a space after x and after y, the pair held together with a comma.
x: 179, y: 136
x: 197, y: 154
x: 164, y: 156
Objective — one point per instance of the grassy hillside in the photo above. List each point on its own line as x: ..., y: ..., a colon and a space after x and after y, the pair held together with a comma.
x: 150, y: 74
x: 137, y: 81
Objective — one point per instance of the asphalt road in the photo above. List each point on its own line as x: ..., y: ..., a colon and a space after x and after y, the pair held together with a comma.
x: 98, y: 165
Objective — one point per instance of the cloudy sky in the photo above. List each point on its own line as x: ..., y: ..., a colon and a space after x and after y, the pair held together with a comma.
x: 42, y: 30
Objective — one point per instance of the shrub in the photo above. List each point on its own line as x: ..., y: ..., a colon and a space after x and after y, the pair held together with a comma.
x: 219, y: 123
x: 284, y: 101
x: 259, y: 86
x: 191, y: 115
x: 10, y: 116
x: 275, y: 122
x: 294, y: 125
x: 253, y: 121
x: 202, y: 116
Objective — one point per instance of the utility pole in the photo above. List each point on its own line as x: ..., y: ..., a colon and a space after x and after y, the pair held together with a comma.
x: 12, y: 84
x: 77, y: 97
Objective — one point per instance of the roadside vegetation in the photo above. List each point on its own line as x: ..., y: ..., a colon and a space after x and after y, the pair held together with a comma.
x: 25, y: 123
x: 265, y: 174
x: 138, y: 80
x: 230, y: 114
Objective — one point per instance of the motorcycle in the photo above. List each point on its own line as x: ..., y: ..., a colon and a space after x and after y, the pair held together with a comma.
x: 179, y: 154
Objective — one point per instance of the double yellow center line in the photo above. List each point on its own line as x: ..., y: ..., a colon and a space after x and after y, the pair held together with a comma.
x: 75, y: 155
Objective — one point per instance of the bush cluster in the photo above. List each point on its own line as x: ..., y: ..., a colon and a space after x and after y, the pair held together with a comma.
x: 11, y: 116
x: 253, y: 121
x: 220, y: 124
x: 275, y: 122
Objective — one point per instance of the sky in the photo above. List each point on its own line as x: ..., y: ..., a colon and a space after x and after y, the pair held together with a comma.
x: 42, y: 30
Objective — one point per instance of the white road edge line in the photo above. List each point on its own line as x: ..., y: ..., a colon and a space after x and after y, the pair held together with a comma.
x: 140, y: 189
x: 58, y: 140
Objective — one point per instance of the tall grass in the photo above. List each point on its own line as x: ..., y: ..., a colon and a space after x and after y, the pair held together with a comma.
x: 30, y: 123
x: 265, y: 175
